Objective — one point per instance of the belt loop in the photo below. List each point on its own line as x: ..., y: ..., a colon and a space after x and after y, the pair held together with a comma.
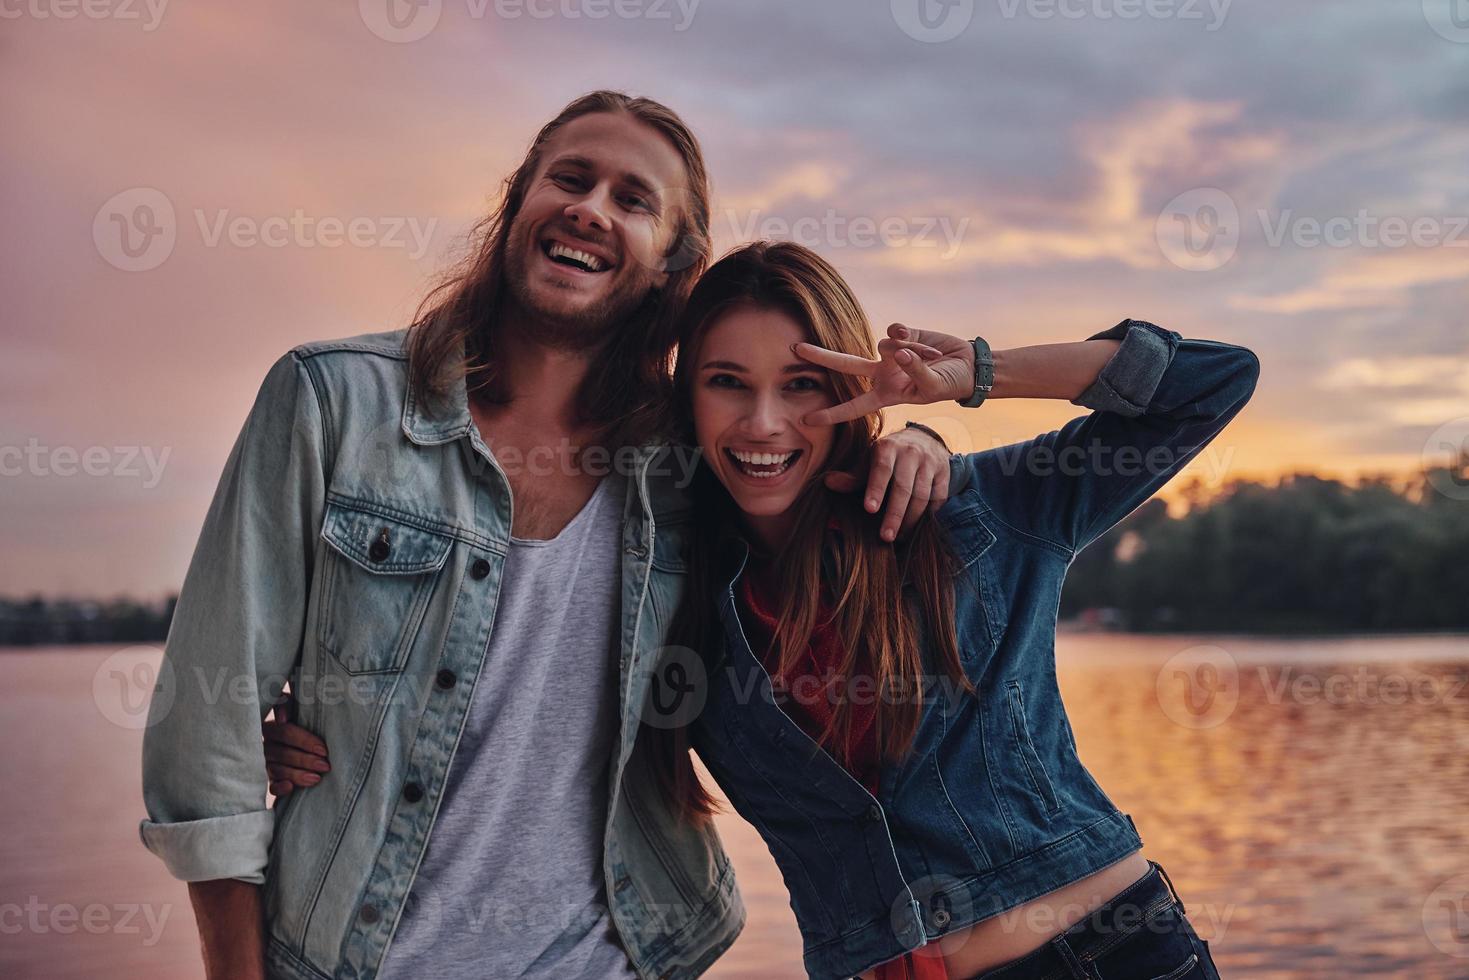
x: 1171, y: 890
x: 1069, y: 957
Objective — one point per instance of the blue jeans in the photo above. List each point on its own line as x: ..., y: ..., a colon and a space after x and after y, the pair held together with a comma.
x: 1141, y: 934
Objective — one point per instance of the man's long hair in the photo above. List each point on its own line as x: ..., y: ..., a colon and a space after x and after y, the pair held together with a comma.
x: 452, y: 340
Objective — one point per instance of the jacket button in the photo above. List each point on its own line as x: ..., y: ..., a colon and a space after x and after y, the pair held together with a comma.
x: 480, y: 568
x: 446, y: 679
x: 380, y: 548
x: 413, y: 792
x: 368, y: 914
x: 941, y: 917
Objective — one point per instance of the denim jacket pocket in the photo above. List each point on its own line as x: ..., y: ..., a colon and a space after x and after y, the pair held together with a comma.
x: 1025, y: 748
x: 378, y: 575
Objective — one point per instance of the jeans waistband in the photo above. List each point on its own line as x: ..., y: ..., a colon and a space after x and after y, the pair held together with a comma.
x: 1123, y: 915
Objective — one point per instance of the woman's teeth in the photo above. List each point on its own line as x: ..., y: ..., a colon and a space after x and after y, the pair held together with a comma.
x: 763, y: 465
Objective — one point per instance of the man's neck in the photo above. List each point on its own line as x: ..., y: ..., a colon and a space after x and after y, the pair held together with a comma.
x: 543, y: 383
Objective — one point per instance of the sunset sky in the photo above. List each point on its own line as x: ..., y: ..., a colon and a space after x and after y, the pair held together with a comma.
x: 1290, y: 176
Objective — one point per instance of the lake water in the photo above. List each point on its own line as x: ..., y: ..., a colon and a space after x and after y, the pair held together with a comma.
x: 1309, y: 798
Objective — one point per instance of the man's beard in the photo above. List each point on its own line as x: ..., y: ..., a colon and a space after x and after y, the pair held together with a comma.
x: 590, y: 326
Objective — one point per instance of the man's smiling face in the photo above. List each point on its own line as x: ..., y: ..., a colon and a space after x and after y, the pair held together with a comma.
x: 599, y: 212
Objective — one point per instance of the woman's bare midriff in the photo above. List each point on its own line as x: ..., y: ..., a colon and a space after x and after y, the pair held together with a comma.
x: 1026, y: 928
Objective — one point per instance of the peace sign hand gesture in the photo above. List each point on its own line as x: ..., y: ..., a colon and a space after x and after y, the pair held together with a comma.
x: 914, y: 367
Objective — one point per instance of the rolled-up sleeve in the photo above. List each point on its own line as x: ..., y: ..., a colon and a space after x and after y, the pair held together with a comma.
x: 235, y: 639
x: 1157, y: 402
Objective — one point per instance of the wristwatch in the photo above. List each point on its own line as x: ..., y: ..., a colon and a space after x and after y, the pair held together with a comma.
x: 984, y: 374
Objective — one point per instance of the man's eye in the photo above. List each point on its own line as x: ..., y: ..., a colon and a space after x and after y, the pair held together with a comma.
x: 568, y: 180
x: 637, y: 202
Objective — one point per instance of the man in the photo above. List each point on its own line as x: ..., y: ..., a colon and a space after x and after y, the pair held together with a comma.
x: 460, y: 544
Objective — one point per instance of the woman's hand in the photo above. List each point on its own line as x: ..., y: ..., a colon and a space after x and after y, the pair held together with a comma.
x: 293, y: 756
x: 914, y: 367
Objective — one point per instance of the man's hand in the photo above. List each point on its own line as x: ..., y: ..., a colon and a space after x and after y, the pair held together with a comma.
x: 293, y: 756
x: 913, y: 367
x: 912, y: 469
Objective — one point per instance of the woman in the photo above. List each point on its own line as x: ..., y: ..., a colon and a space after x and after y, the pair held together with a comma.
x: 887, y: 715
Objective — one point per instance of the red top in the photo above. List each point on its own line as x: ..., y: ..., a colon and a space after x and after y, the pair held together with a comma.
x: 823, y: 658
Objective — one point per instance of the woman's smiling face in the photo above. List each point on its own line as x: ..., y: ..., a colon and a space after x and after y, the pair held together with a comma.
x: 748, y: 397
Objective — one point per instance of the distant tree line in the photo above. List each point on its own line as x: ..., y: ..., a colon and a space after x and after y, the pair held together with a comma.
x: 57, y: 622
x: 1306, y: 554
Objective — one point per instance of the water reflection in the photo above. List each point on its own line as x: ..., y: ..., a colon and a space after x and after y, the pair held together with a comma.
x: 1307, y: 797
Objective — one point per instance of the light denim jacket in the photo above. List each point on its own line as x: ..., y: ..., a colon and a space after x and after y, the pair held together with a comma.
x: 355, y: 547
x: 992, y: 807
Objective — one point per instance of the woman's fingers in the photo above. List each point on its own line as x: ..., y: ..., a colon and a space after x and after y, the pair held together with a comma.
x: 845, y: 363
x: 296, y: 759
x: 924, y: 378
x: 864, y: 404
x: 291, y: 776
x: 294, y: 736
x: 888, y: 348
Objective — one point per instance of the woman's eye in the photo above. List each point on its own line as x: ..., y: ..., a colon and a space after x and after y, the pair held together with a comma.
x: 805, y: 384
x: 723, y: 381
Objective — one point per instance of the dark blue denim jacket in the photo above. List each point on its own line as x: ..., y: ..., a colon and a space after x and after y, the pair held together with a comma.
x: 992, y: 807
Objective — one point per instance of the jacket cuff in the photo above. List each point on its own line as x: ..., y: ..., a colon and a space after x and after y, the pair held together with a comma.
x: 236, y: 846
x: 1127, y: 381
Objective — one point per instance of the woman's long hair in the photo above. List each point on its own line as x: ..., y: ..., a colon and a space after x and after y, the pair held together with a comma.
x: 880, y: 636
x: 452, y: 339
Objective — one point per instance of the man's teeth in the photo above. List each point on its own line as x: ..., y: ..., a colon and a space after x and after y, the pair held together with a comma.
x: 590, y: 261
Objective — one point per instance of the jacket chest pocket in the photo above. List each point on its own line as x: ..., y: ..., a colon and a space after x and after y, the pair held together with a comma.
x: 377, y: 579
